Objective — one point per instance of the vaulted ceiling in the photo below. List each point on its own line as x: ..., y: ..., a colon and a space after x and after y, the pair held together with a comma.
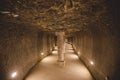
x: 53, y: 15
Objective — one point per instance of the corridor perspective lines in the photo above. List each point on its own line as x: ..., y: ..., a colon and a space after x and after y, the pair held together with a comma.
x: 49, y: 69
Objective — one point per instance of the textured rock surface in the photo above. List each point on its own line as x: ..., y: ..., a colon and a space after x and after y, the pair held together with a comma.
x: 20, y: 49
x: 52, y: 15
x: 101, y: 48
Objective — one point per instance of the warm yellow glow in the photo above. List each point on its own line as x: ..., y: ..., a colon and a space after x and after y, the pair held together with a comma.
x: 54, y: 52
x: 14, y: 74
x: 50, y: 69
x: 79, y: 53
x: 91, y: 62
x: 42, y: 53
x: 70, y: 51
x: 5, y: 12
x: 15, y: 15
x: 72, y: 56
x: 49, y: 59
x: 56, y: 47
x: 69, y: 48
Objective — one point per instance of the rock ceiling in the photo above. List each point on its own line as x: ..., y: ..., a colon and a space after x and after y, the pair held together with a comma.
x: 53, y: 15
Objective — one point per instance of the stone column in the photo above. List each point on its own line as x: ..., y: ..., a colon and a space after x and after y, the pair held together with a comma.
x: 61, y: 46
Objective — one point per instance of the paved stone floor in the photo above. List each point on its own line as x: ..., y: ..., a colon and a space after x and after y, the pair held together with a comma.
x: 49, y: 69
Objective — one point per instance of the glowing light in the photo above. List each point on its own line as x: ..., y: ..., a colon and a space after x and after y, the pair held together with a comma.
x: 56, y: 47
x: 70, y: 51
x: 42, y: 53
x: 5, y: 12
x: 14, y: 74
x: 49, y: 60
x: 54, y: 52
x: 73, y: 56
x: 78, y: 53
x: 15, y: 15
x: 91, y: 62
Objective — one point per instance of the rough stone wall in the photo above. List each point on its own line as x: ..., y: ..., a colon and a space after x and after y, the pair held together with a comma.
x: 101, y: 48
x: 20, y: 49
x: 46, y: 39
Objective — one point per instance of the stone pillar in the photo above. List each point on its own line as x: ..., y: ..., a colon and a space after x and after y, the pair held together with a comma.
x: 61, y: 46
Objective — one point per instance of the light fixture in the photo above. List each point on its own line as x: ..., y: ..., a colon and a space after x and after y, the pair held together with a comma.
x: 78, y: 53
x: 42, y: 53
x: 91, y: 62
x: 14, y: 74
x: 15, y: 15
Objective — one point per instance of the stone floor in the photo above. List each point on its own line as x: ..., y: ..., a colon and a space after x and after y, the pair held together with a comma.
x: 50, y: 69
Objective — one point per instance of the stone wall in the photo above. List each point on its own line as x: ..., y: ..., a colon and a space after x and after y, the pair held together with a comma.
x: 101, y: 47
x: 21, y: 48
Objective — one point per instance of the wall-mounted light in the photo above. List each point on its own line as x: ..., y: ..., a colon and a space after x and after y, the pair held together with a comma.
x: 78, y: 53
x: 14, y: 74
x: 91, y: 62
x: 42, y: 53
x: 15, y: 15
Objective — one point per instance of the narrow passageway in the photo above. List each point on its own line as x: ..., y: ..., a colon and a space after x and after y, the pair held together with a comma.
x: 49, y: 69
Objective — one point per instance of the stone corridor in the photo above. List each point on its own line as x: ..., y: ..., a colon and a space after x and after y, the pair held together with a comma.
x: 50, y: 69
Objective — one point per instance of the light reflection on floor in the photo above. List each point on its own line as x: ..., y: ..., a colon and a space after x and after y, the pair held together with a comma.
x: 48, y: 68
x: 54, y: 52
